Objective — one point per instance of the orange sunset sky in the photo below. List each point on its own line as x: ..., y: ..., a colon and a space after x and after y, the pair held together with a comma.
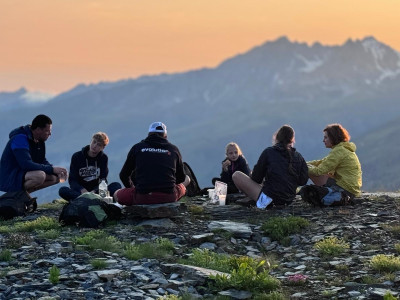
x: 53, y: 45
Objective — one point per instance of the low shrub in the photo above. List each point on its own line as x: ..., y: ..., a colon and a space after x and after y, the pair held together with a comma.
x: 54, y: 275
x: 331, y: 246
x: 278, y: 228
x: 385, y: 263
x: 161, y: 248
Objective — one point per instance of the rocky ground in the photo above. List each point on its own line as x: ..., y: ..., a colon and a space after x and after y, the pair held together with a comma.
x: 370, y: 227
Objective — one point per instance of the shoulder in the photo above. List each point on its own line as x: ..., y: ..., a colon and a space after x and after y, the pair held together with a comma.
x: 77, y: 154
x: 19, y: 141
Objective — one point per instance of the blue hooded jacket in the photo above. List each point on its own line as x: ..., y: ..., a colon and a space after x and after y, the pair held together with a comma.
x: 21, y: 155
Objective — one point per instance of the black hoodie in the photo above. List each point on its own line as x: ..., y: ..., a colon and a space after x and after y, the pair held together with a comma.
x: 280, y: 181
x: 85, y: 171
x: 154, y: 165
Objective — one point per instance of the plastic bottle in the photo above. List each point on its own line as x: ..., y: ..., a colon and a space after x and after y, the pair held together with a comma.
x: 103, y: 190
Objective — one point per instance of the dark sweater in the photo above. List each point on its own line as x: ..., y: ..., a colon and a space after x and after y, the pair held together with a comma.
x: 154, y: 165
x: 239, y: 165
x: 21, y: 155
x: 85, y: 171
x: 272, y: 169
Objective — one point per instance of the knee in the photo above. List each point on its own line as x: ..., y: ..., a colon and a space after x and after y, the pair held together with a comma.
x: 39, y: 177
x: 187, y: 181
x: 236, y: 176
x: 115, y: 196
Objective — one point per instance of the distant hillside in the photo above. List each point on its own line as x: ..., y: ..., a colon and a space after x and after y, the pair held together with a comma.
x: 378, y: 151
x: 245, y: 99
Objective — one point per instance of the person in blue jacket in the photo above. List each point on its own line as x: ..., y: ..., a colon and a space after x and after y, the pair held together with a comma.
x: 234, y: 161
x: 88, y: 168
x: 23, y: 164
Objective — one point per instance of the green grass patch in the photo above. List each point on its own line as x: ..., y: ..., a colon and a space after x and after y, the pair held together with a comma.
x: 55, y: 205
x: 98, y: 264
x: 49, y: 234
x: 98, y: 239
x: 248, y: 277
x: 279, y: 228
x: 54, y: 276
x: 368, y: 279
x: 397, y: 248
x: 5, y: 255
x: 393, y: 228
x: 41, y: 223
x: 196, y: 209
x: 160, y: 248
x: 385, y: 263
x: 331, y: 246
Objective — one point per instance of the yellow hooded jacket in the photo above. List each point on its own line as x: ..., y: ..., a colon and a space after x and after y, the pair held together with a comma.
x: 342, y: 162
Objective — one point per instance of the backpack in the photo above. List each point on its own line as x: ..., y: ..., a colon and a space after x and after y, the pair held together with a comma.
x: 193, y: 189
x: 15, y: 204
x: 313, y: 194
x: 88, y: 210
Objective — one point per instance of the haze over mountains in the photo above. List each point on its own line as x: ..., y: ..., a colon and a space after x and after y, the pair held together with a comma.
x: 245, y: 99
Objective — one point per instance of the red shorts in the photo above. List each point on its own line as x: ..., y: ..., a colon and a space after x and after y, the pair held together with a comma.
x: 128, y: 196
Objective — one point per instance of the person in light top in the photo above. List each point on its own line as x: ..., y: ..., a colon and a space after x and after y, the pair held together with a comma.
x: 340, y: 170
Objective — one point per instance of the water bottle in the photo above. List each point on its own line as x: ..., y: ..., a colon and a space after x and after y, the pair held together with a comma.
x: 103, y: 190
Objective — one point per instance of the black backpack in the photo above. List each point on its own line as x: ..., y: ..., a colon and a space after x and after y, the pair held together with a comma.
x: 313, y: 194
x: 193, y: 189
x: 15, y: 204
x: 88, y: 210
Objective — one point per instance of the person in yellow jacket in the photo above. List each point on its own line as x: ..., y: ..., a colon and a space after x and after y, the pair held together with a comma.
x: 340, y: 170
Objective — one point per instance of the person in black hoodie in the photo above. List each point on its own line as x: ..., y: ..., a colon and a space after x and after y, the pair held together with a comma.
x: 234, y: 161
x: 153, y: 171
x: 278, y: 172
x: 88, y: 167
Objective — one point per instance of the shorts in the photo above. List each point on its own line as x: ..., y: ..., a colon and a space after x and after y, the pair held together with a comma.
x: 263, y: 201
x: 129, y: 196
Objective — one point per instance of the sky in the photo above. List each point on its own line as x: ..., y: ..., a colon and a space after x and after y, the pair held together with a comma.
x: 53, y: 45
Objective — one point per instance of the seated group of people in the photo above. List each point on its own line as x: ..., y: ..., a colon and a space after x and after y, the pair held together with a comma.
x: 153, y: 171
x: 280, y: 169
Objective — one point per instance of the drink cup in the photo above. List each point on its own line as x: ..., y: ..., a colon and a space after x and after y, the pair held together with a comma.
x: 222, y: 199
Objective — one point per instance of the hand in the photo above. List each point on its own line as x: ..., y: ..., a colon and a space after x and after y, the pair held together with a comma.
x: 83, y: 191
x: 226, y: 164
x: 61, y: 173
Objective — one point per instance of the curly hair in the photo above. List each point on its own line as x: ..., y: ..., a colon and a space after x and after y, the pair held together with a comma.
x: 337, y: 133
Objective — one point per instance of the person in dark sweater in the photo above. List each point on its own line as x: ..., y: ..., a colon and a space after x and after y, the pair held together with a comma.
x: 234, y: 161
x: 153, y: 171
x: 88, y: 167
x: 23, y: 164
x: 278, y: 172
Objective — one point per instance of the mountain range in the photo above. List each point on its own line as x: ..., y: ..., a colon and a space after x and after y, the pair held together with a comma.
x: 244, y: 99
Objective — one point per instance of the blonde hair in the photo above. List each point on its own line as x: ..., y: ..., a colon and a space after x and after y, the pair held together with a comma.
x: 232, y: 144
x: 101, y: 137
